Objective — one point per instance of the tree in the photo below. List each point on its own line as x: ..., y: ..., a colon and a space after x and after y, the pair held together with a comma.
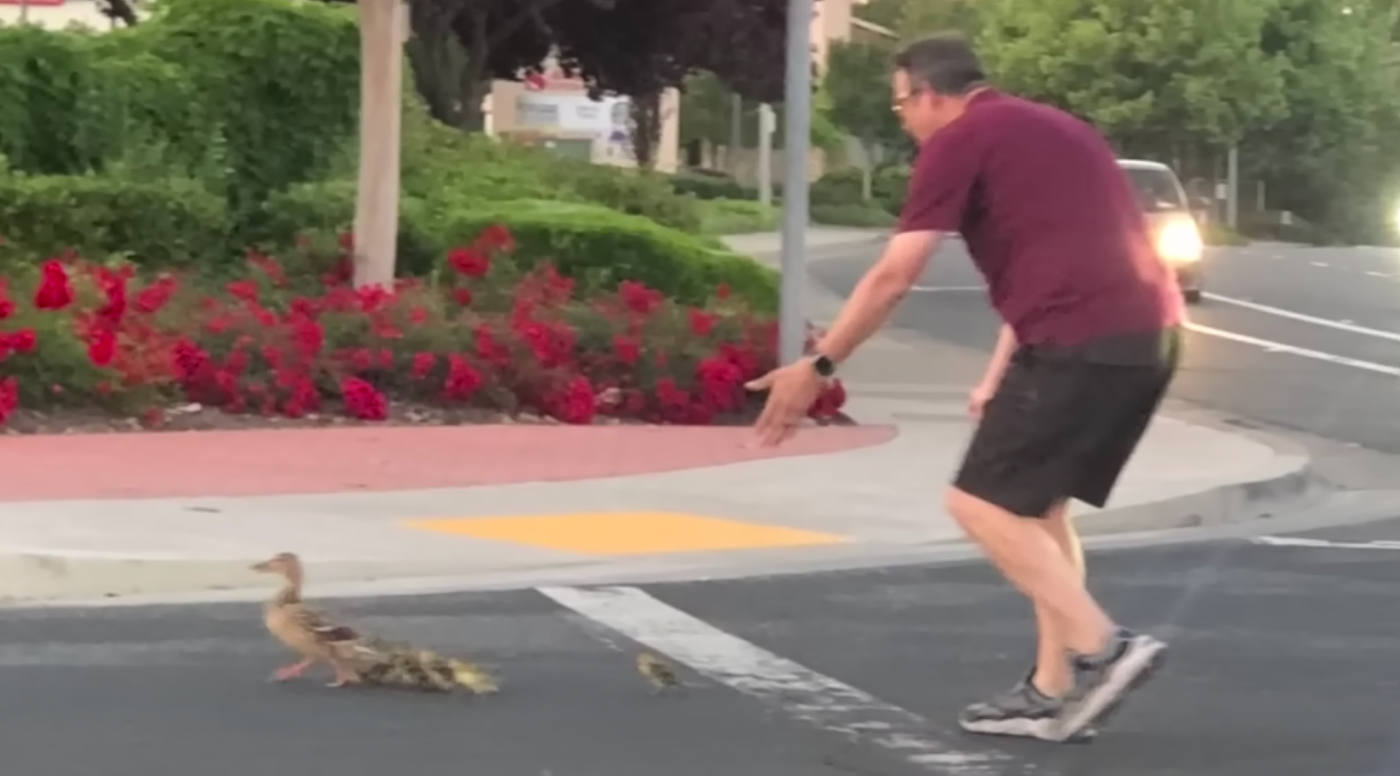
x: 914, y: 19
x: 641, y: 48
x: 1165, y: 78
x: 377, y: 193
x: 857, y: 78
x: 1330, y: 159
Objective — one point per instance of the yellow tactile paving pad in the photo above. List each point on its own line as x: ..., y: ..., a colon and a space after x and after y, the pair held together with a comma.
x: 627, y: 533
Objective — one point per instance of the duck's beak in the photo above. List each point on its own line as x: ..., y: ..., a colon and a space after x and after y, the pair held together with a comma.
x: 264, y: 566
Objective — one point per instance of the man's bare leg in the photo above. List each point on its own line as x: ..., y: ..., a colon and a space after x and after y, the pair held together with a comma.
x: 1052, y: 676
x: 1030, y: 558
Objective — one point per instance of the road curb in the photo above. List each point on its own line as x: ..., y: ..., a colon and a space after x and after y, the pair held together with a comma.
x: 37, y: 579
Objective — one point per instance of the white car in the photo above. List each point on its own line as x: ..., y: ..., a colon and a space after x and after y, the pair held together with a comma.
x: 1175, y: 230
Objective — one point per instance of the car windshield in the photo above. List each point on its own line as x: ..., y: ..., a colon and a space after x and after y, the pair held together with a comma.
x: 1157, y: 189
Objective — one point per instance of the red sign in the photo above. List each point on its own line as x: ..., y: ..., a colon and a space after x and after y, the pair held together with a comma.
x: 32, y: 2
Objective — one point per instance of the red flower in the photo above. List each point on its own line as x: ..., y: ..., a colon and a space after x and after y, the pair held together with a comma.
x: 22, y: 341
x: 55, y: 290
x: 469, y: 262
x: 576, y: 404
x: 270, y: 268
x: 9, y: 398
x: 7, y: 307
x: 423, y: 363
x: 722, y: 291
x: 673, y: 402
x: 829, y: 403
x: 701, y: 322
x: 245, y: 290
x: 462, y: 296
x: 113, y: 285
x: 102, y: 347
x: 462, y: 380
x: 362, y: 401
x: 497, y: 238
x: 155, y: 296
x: 720, y: 382
x: 488, y: 348
x: 188, y: 360
x: 639, y: 298
x: 626, y: 350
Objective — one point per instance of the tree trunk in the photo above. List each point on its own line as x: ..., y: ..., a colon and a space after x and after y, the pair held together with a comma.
x: 381, y: 96
x: 646, y: 120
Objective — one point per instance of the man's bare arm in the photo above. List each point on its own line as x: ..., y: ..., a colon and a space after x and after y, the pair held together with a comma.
x: 877, y: 294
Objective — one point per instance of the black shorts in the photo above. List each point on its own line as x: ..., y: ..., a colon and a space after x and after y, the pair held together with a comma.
x: 1063, y: 425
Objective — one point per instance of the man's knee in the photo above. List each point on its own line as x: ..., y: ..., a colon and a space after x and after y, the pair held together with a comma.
x: 965, y: 508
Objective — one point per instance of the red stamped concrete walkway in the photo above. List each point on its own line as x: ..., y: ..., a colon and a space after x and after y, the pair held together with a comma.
x: 276, y: 462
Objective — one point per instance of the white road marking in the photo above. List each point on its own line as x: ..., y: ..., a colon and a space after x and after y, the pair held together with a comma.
x: 1279, y: 347
x: 803, y: 693
x: 1293, y: 541
x: 1376, y: 274
x: 1319, y: 263
x: 1316, y: 321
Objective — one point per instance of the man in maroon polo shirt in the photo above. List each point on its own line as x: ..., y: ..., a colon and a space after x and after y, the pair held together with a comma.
x: 1089, y: 344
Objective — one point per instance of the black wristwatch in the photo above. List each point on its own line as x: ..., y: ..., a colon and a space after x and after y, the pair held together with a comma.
x: 824, y: 365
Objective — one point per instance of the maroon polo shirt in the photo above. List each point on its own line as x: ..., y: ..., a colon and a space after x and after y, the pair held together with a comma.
x: 1050, y: 220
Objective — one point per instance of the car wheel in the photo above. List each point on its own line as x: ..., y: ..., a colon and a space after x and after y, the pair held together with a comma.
x: 1193, y: 296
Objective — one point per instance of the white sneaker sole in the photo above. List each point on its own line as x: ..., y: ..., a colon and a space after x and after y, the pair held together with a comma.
x: 1144, y: 657
x: 1046, y: 729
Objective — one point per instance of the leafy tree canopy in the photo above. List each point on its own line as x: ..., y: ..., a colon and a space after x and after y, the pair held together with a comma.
x: 856, y: 80
x: 643, y: 46
x: 914, y: 19
x: 1330, y: 158
x: 1147, y: 74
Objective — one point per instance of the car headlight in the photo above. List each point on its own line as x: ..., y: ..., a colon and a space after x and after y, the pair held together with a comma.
x: 1179, y: 242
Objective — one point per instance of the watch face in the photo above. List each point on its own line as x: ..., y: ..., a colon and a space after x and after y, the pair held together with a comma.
x: 824, y: 366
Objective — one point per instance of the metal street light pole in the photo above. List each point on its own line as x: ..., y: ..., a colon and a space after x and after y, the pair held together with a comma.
x: 792, y: 319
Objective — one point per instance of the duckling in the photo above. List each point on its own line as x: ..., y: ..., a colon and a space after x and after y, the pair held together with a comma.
x: 473, y: 677
x: 655, y: 670
x: 305, y: 630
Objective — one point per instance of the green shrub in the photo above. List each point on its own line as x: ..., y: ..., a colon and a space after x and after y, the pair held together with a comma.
x: 600, y: 249
x: 318, y: 212
x: 890, y: 185
x: 843, y: 187
x: 837, y: 187
x: 853, y: 215
x: 159, y: 223
x: 738, y: 216
x: 707, y: 184
x: 633, y: 192
x: 453, y: 169
x: 280, y: 80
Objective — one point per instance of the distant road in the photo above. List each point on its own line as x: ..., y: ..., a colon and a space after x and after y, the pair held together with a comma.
x: 1304, y: 338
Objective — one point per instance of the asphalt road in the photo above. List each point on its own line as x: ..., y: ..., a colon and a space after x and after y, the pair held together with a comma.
x: 1335, y: 372
x: 1283, y: 665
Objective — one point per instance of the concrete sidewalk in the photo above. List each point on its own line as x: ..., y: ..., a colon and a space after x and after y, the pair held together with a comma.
x: 824, y: 509
x: 526, y: 506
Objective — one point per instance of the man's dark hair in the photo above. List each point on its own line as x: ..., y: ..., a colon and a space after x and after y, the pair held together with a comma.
x: 944, y: 63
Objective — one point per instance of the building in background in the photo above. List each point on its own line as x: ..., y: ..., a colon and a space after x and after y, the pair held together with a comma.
x: 554, y: 111
x: 54, y: 14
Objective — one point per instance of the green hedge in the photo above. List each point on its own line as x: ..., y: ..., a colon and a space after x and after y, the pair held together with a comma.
x: 601, y: 248
x: 160, y: 223
x: 738, y: 216
x: 711, y: 185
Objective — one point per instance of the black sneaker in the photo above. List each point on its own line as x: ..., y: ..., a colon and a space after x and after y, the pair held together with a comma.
x: 1101, y: 683
x: 1021, y: 711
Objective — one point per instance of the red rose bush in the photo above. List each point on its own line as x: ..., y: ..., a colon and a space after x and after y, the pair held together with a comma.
x: 486, y: 334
